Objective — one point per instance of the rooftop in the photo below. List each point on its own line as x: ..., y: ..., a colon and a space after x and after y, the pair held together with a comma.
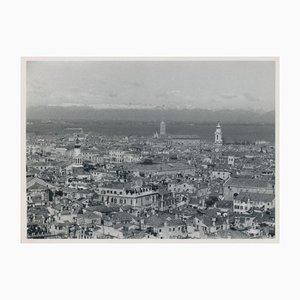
x: 247, y: 182
x: 257, y: 197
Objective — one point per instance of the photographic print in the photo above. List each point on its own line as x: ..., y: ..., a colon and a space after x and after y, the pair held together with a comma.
x: 149, y: 149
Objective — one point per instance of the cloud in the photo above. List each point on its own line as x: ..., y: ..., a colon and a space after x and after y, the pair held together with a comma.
x: 112, y: 94
x: 174, y: 92
x: 228, y: 96
x: 251, y: 98
x: 214, y: 101
x: 162, y: 96
x: 74, y: 89
x: 133, y: 83
x: 136, y: 84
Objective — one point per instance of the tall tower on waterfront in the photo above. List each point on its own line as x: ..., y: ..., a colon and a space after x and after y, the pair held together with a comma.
x: 162, y: 128
x: 77, y: 153
x: 218, y: 135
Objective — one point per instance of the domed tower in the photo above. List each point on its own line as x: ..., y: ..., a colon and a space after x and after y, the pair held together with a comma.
x: 218, y: 135
x: 162, y: 128
x: 77, y: 153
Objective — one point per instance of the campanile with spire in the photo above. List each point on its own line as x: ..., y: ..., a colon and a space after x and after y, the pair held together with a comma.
x: 77, y: 153
x: 162, y: 128
x: 218, y: 135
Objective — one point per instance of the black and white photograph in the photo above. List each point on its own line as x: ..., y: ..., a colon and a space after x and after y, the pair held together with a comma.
x: 150, y: 149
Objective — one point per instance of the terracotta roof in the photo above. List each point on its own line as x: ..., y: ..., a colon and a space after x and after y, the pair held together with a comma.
x: 224, y: 204
x: 37, y: 186
x: 245, y: 182
x: 154, y: 221
x: 122, y: 216
x: 103, y: 209
x: 256, y: 197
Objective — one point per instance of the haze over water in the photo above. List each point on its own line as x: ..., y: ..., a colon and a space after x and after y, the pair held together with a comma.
x: 231, y: 132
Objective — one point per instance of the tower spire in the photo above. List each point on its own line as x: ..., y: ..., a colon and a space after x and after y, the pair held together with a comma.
x: 162, y: 128
x: 218, y: 134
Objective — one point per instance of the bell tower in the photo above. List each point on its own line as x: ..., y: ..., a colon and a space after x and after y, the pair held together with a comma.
x: 162, y: 128
x: 218, y: 135
x: 77, y: 153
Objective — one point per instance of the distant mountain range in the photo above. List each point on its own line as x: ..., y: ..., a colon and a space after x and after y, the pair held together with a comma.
x: 148, y: 114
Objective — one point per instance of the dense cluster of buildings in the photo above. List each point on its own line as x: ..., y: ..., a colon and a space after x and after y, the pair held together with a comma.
x: 86, y: 186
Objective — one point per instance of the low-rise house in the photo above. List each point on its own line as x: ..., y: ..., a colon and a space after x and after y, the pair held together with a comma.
x: 61, y: 229
x: 244, y: 221
x: 123, y: 218
x: 165, y: 228
x: 38, y: 192
x: 99, y: 174
x: 212, y: 221
x: 116, y: 155
x: 103, y: 231
x: 66, y: 216
x: 181, y: 187
x: 88, y: 218
x: 224, y: 206
x: 220, y: 173
x: 243, y: 202
x: 202, y: 189
x: 165, y: 200
x: 132, y: 157
x: 86, y: 193
x: 38, y: 215
x: 234, y: 186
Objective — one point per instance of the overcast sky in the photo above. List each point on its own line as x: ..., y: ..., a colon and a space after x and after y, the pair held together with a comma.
x: 207, y: 85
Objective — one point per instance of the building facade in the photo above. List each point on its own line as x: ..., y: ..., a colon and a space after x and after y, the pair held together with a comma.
x: 234, y: 186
